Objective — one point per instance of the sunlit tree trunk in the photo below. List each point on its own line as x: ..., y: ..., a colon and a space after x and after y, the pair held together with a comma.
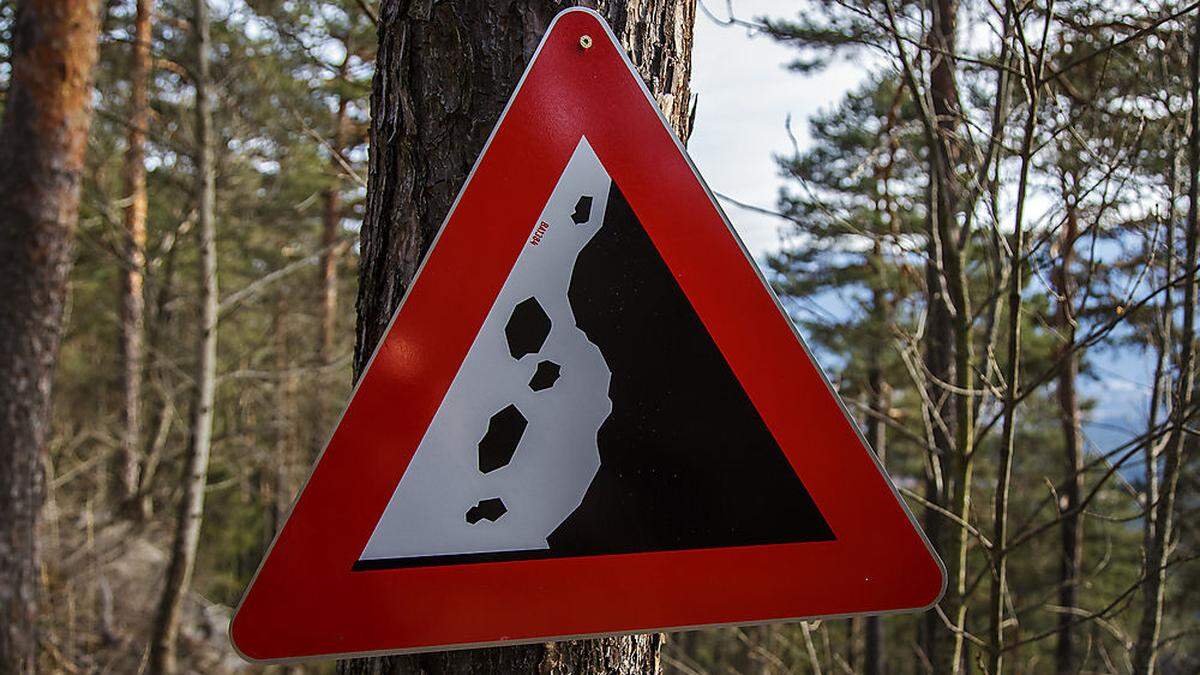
x: 132, y: 299
x: 191, y: 509
x: 444, y: 72
x: 43, y: 134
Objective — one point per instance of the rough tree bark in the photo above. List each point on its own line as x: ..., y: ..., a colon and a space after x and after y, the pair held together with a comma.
x: 43, y: 135
x: 1145, y: 650
x: 191, y: 508
x: 444, y: 72
x: 132, y: 300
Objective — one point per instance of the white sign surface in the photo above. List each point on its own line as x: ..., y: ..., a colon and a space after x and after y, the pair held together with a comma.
x: 446, y: 502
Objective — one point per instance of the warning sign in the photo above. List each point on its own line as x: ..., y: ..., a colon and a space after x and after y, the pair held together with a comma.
x: 590, y: 415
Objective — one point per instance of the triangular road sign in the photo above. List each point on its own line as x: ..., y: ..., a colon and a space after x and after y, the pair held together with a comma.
x: 589, y: 416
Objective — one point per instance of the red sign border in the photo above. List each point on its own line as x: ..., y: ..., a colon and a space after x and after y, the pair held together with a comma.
x: 880, y: 562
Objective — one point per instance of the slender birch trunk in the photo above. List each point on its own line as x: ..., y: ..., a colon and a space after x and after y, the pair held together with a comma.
x: 191, y: 509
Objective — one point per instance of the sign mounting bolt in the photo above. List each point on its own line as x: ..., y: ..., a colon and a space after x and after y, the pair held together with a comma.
x: 585, y: 41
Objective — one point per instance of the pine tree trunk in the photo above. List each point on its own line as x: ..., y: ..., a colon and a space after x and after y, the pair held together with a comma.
x: 43, y: 135
x: 132, y: 300
x: 191, y: 509
x: 1145, y: 651
x: 948, y: 334
x: 285, y: 423
x: 331, y: 226
x: 444, y: 72
x: 1071, y: 555
x: 875, y: 652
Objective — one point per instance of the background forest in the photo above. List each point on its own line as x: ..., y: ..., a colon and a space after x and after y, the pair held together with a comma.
x: 1002, y: 213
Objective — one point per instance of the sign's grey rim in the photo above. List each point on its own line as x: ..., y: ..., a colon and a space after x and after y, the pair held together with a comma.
x: 420, y: 268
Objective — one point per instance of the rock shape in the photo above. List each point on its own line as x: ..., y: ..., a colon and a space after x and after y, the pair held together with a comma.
x: 545, y: 376
x: 583, y: 210
x: 500, y: 442
x: 487, y: 509
x: 527, y: 328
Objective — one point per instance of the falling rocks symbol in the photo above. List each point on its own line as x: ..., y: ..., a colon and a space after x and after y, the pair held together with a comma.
x: 686, y: 461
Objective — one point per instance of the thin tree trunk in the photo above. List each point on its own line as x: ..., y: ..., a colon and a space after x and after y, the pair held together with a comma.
x: 878, y: 401
x: 191, y: 509
x: 331, y: 226
x: 1012, y: 366
x: 1146, y: 647
x: 875, y: 653
x: 939, y: 364
x: 132, y: 300
x: 445, y: 71
x: 43, y: 135
x: 948, y: 349
x: 284, y: 424
x: 1162, y: 379
x: 156, y: 333
x: 1071, y: 528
